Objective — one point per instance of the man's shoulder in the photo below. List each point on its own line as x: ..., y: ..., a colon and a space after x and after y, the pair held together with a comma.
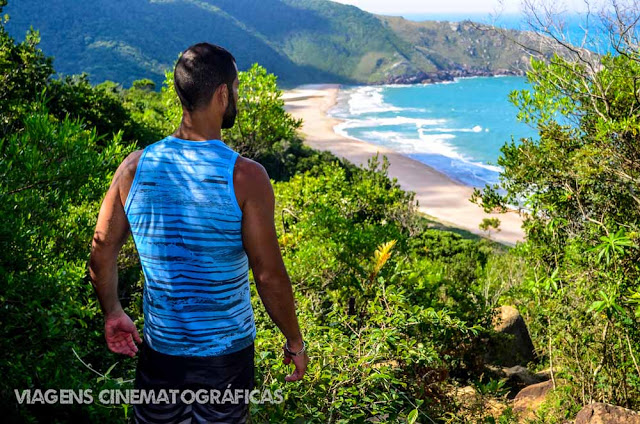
x: 251, y: 181
x: 248, y: 169
x: 129, y: 165
x: 125, y: 174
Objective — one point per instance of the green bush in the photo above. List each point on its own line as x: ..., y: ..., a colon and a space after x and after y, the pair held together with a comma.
x: 579, y: 180
x: 388, y: 317
x: 52, y: 178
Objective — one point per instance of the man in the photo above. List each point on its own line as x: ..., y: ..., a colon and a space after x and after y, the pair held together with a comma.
x: 200, y: 215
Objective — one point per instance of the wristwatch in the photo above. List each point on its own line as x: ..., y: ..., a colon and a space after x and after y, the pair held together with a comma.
x: 300, y: 352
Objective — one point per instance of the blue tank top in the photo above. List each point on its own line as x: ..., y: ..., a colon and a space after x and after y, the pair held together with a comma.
x: 186, y: 224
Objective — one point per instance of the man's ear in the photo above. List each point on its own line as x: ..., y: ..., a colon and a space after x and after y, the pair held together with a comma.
x: 223, y: 95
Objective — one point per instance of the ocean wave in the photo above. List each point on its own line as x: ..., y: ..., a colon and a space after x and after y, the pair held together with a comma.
x: 390, y: 122
x: 466, y: 172
x: 341, y: 131
x: 369, y: 100
x: 436, y: 144
x: 475, y: 129
x: 433, y: 150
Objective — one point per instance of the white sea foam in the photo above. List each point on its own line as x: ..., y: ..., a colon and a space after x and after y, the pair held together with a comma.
x: 398, y: 85
x: 369, y: 100
x: 475, y: 129
x: 390, y: 122
x: 435, y: 144
x: 364, y: 100
x: 425, y: 143
x: 341, y: 131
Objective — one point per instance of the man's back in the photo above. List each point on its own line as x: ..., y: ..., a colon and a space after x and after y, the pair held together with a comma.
x: 186, y: 223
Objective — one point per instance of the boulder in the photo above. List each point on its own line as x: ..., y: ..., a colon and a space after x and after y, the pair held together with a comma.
x: 512, y: 344
x: 530, y: 398
x: 522, y: 375
x: 518, y: 377
x: 602, y: 413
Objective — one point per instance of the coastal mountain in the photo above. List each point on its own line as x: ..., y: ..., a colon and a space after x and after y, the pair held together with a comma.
x: 301, y: 41
x: 464, y: 49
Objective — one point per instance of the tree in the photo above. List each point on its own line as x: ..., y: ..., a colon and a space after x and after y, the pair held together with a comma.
x: 489, y: 224
x: 24, y: 74
x: 579, y: 180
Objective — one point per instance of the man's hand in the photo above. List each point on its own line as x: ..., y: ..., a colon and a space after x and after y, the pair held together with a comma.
x: 112, y: 231
x: 300, y: 362
x: 120, y: 333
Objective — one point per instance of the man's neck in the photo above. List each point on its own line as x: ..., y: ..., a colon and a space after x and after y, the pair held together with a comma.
x: 195, y: 129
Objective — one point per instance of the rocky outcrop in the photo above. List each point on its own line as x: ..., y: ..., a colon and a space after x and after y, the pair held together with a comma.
x: 518, y: 377
x: 511, y: 345
x: 602, y: 413
x: 530, y: 398
x: 446, y: 76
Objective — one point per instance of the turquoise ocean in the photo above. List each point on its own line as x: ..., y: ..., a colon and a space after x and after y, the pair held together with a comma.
x: 457, y: 127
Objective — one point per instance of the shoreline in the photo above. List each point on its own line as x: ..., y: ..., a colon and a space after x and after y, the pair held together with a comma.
x: 438, y: 195
x: 444, y: 76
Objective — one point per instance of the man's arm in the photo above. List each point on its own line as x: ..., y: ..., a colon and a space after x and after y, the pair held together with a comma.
x: 256, y: 199
x: 112, y: 231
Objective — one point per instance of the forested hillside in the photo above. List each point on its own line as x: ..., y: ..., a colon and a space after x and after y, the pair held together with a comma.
x: 301, y: 41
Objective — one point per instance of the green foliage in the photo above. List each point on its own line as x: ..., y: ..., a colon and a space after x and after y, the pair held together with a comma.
x: 579, y: 182
x: 492, y: 386
x: 144, y: 84
x: 263, y: 122
x: 394, y: 312
x: 99, y: 107
x: 26, y: 80
x: 387, y: 317
x: 53, y: 176
x: 612, y: 246
x: 489, y: 224
x: 55, y: 167
x: 24, y: 73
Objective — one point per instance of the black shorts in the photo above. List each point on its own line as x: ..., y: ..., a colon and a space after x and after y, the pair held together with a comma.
x: 158, y: 372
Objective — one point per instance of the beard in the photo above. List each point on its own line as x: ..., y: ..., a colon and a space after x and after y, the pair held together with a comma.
x: 229, y: 117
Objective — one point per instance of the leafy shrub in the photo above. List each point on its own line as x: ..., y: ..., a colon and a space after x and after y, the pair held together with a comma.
x: 384, y: 330
x: 579, y: 181
x: 52, y: 177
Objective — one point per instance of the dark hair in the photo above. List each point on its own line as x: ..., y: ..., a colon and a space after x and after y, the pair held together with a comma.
x: 200, y: 70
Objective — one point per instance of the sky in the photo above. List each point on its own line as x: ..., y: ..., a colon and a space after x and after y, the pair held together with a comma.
x: 397, y: 7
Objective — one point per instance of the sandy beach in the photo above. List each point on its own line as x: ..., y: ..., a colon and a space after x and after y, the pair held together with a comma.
x: 438, y: 196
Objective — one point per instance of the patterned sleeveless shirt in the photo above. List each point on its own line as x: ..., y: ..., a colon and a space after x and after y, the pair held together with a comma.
x: 186, y: 224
